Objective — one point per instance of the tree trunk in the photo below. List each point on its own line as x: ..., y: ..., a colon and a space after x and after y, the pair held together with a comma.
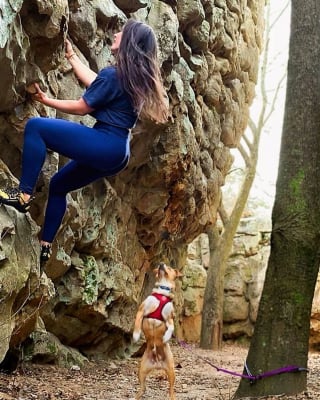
x: 212, y: 313
x: 220, y: 248
x: 281, y: 332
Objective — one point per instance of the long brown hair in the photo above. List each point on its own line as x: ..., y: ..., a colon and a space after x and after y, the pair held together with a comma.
x: 138, y: 68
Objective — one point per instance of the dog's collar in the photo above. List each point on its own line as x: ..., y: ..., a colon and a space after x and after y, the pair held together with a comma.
x: 164, y: 288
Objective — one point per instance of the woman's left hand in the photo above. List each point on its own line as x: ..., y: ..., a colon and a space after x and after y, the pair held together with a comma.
x: 39, y: 95
x: 69, y: 49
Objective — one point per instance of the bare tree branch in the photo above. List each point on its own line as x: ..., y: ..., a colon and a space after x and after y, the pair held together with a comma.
x: 272, y: 107
x: 244, y: 154
x: 252, y: 125
x: 247, y: 141
x: 278, y: 16
x: 223, y: 214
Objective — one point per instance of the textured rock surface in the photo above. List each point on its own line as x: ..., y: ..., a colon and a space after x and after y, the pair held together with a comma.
x: 114, y: 230
x: 244, y: 281
x: 315, y: 318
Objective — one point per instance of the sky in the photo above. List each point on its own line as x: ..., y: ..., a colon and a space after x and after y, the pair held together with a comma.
x: 271, y: 136
x: 267, y: 168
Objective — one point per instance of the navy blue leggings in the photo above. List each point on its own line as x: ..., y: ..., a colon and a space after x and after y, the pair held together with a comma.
x: 95, y: 152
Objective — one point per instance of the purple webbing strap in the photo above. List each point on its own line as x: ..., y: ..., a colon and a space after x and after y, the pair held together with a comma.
x: 252, y: 378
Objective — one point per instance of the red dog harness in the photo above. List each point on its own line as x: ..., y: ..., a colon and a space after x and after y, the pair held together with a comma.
x: 157, y: 313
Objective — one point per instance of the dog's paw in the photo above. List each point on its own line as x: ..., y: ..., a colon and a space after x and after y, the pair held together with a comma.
x: 136, y: 336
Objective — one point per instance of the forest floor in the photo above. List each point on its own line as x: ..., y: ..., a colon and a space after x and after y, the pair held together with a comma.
x: 196, y: 378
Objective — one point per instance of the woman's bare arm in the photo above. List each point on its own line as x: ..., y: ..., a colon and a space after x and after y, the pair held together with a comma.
x: 76, y: 107
x: 82, y: 72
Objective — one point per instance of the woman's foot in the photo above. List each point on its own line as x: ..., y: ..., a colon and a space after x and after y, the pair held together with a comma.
x: 45, y: 252
x: 13, y: 197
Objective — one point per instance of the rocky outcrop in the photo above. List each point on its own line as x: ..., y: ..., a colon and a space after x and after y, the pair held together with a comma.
x: 315, y: 318
x: 244, y: 279
x: 116, y: 229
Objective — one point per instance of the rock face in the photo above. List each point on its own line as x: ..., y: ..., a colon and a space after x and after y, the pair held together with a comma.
x: 315, y: 318
x: 244, y: 281
x: 115, y: 230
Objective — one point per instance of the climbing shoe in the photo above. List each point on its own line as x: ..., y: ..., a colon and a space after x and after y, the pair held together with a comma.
x: 45, y: 253
x: 13, y: 197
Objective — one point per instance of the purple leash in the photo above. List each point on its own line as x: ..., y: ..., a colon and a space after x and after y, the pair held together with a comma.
x: 252, y: 378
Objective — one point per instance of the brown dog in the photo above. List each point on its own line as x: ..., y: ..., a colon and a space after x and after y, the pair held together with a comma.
x: 155, y: 318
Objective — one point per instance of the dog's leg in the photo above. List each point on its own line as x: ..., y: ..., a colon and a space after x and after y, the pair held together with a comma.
x: 170, y: 328
x: 146, y: 307
x: 170, y: 371
x: 137, y: 323
x: 144, y: 370
x: 171, y: 379
x: 167, y: 314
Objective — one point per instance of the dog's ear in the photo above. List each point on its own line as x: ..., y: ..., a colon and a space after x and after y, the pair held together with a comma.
x: 156, y: 272
x: 178, y: 274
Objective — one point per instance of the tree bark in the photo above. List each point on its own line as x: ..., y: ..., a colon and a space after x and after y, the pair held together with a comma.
x: 212, y: 313
x: 281, y: 332
x: 220, y: 248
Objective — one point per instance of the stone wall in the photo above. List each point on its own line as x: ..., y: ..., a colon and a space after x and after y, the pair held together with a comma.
x: 115, y: 230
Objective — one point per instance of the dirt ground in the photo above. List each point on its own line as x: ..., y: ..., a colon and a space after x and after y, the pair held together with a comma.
x: 196, y: 379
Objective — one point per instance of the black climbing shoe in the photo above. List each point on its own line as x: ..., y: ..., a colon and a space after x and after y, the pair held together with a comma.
x: 45, y: 253
x: 13, y: 197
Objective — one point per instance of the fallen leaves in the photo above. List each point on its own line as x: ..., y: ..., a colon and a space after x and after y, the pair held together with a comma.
x: 117, y: 379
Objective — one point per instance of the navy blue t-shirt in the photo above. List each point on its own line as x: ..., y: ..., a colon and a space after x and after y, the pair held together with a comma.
x: 111, y: 104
